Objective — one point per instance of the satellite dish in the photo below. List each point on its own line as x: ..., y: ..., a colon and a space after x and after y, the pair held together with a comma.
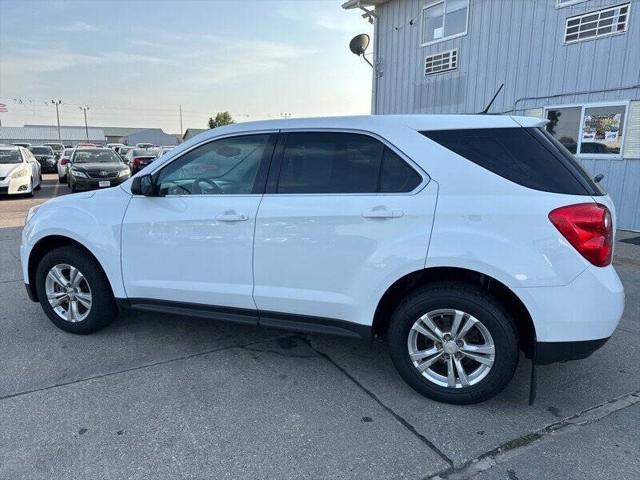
x: 358, y: 44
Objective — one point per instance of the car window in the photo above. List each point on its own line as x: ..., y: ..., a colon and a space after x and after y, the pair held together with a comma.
x: 226, y: 166
x: 334, y: 162
x: 328, y: 162
x: 396, y: 175
x: 530, y: 157
x: 10, y: 156
x: 41, y: 150
x: 95, y: 156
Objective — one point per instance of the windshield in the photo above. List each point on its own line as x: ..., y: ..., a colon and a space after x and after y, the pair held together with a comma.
x: 57, y: 147
x: 95, y: 156
x: 146, y: 152
x: 41, y: 150
x: 10, y: 156
x: 67, y: 152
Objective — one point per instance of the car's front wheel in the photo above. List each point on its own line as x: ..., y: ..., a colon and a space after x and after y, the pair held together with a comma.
x: 74, y: 291
x: 454, y: 343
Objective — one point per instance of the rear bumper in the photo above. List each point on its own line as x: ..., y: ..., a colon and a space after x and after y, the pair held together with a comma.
x: 589, y: 308
x: 551, y: 352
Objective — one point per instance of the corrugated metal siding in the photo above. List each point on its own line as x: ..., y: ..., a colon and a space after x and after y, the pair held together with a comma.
x: 520, y: 43
x: 49, y: 134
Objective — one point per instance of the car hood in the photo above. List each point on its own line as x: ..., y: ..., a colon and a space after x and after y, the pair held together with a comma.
x: 99, y: 167
x: 7, y: 168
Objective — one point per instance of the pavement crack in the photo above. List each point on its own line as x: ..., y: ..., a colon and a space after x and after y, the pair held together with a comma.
x: 513, y: 447
x: 277, y: 352
x: 131, y: 369
x: 404, y: 422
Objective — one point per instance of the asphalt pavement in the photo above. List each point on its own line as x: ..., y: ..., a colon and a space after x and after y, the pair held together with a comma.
x: 159, y: 396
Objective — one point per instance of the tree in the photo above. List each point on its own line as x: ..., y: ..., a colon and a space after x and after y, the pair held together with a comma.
x: 221, y: 119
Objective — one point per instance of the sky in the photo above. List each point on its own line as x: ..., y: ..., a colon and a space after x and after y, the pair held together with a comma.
x: 133, y: 63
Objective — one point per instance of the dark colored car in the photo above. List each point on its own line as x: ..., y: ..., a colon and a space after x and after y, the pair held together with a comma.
x: 46, y: 157
x: 57, y: 148
x: 138, y: 158
x: 92, y: 168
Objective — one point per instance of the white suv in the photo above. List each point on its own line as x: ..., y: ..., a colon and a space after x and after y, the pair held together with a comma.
x: 462, y: 239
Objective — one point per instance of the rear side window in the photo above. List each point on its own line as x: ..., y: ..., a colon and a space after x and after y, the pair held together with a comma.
x: 397, y: 176
x: 526, y: 156
x: 333, y: 162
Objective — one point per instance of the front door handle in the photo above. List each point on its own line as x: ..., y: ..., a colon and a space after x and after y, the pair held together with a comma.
x: 382, y: 212
x: 232, y: 217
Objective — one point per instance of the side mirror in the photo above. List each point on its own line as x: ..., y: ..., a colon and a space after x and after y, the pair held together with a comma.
x: 143, y: 186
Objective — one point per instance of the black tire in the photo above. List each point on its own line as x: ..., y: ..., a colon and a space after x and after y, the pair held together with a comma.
x: 72, y: 186
x: 62, y: 179
x: 103, y: 306
x: 39, y: 182
x: 483, y: 307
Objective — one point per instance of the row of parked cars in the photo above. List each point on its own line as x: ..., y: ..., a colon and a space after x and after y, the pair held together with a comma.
x: 82, y: 167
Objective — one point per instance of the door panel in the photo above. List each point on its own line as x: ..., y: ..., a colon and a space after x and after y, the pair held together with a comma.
x: 318, y: 255
x: 194, y: 242
x: 331, y: 253
x: 177, y: 249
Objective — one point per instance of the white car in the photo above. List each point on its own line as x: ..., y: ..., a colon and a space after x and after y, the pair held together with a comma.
x: 20, y: 172
x: 163, y: 151
x: 63, y: 164
x: 463, y: 239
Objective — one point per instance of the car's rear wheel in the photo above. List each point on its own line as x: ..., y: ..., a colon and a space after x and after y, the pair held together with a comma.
x: 453, y: 343
x: 39, y: 181
x: 74, y: 291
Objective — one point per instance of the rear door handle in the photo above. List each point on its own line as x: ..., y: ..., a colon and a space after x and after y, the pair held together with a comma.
x: 382, y: 212
x: 232, y: 217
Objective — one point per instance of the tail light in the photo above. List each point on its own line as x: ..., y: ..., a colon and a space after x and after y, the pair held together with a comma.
x: 138, y: 162
x: 64, y: 161
x: 588, y: 227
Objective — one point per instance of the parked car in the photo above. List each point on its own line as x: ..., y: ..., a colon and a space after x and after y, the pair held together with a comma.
x: 63, y: 164
x: 163, y: 150
x: 45, y: 156
x: 92, y: 168
x: 57, y: 148
x: 115, y: 146
x: 20, y: 172
x: 461, y: 239
x: 122, y: 151
x: 138, y: 158
x: 145, y: 145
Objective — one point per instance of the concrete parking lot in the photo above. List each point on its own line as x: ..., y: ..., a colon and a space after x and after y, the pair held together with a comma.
x: 157, y: 396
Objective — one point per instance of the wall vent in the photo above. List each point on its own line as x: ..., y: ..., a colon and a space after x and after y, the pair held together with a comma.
x: 441, y: 62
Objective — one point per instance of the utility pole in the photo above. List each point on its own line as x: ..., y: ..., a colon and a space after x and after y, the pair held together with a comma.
x: 86, y: 127
x: 181, y: 131
x: 57, y: 104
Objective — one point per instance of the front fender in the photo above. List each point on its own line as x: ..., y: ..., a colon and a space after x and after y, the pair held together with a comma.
x: 93, y: 221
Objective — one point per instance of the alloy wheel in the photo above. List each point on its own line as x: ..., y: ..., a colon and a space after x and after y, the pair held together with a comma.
x: 68, y: 292
x: 451, y: 348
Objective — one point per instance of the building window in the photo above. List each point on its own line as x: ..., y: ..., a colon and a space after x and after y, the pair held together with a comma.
x: 441, y: 62
x: 601, y: 23
x: 566, y: 3
x: 588, y: 130
x: 444, y: 19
